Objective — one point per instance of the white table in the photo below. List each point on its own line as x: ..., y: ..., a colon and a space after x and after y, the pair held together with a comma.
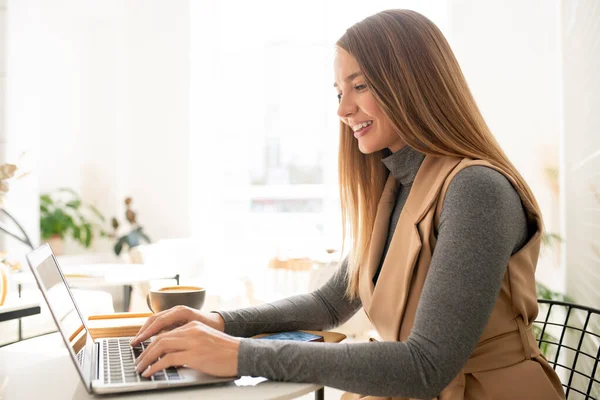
x: 41, y: 368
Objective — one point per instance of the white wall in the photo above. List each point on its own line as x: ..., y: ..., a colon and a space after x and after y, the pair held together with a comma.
x: 19, y: 132
x: 158, y: 145
x: 509, y: 54
x: 104, y: 85
x: 580, y: 30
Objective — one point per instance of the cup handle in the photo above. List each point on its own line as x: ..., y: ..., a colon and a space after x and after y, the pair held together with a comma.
x: 3, y: 284
x: 148, y: 302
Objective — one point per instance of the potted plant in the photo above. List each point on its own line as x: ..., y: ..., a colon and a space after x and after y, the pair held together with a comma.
x: 132, y: 239
x: 63, y: 214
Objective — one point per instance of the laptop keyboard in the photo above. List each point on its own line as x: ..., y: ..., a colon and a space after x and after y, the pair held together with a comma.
x: 119, y: 367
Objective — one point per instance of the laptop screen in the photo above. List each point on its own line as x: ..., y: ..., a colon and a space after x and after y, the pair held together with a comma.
x: 62, y: 306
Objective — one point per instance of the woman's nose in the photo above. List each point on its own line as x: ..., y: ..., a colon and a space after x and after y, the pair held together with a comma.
x: 346, y: 107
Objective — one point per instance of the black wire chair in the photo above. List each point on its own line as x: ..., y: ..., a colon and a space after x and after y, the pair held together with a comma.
x: 569, y: 337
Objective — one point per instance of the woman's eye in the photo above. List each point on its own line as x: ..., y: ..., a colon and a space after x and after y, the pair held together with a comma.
x: 358, y: 88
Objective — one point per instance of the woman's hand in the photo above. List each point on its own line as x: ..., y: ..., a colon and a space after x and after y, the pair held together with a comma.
x: 173, y: 318
x: 194, y: 345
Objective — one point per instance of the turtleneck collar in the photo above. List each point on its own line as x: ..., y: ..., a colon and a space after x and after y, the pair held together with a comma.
x: 404, y: 164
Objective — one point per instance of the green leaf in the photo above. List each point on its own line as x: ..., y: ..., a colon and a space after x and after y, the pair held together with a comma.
x: 45, y: 199
x: 89, y: 235
x: 74, y: 204
x: 45, y: 228
x: 119, y: 246
x: 68, y: 221
x: 77, y: 233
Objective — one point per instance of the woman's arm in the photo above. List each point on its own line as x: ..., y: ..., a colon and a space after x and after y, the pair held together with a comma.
x: 481, y: 225
x: 325, y: 308
x: 190, y: 337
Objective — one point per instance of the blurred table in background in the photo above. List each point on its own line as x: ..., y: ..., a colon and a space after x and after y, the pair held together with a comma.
x: 16, y: 310
x: 95, y: 276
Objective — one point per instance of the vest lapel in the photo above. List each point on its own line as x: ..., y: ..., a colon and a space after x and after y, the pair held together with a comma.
x: 385, y: 303
x: 378, y: 238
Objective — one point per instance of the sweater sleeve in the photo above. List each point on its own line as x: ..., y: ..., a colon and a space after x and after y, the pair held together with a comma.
x: 482, y: 223
x: 325, y: 308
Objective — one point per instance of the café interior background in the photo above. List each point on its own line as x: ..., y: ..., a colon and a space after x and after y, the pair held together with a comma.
x: 218, y: 118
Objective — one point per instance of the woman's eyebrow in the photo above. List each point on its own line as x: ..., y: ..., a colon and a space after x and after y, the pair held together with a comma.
x: 349, y: 78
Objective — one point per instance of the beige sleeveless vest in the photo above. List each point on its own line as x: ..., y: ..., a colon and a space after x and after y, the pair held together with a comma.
x: 506, y: 364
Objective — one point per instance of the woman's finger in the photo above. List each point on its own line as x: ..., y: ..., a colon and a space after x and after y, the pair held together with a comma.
x: 170, y: 360
x: 163, y: 320
x: 148, y: 322
x: 158, y: 349
x: 174, y: 334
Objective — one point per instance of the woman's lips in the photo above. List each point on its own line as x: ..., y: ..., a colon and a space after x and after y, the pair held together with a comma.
x: 362, y: 131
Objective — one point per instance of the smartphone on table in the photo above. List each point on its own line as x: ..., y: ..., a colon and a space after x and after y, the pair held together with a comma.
x: 294, y: 335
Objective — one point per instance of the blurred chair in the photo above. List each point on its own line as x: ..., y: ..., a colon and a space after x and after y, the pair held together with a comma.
x: 569, y: 337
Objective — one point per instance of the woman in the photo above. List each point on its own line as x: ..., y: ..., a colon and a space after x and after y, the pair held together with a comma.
x: 446, y: 235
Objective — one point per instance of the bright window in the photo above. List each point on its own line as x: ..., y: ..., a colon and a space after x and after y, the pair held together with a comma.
x: 264, y: 120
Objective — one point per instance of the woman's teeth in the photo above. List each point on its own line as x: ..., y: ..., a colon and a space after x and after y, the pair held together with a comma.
x: 362, y: 125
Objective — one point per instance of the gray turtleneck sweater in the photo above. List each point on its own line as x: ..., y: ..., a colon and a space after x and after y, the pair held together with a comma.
x: 482, y: 223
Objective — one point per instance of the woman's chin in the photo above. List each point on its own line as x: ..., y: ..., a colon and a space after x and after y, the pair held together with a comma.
x: 365, y: 149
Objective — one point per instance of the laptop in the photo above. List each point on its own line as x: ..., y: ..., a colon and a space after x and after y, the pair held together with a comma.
x: 105, y: 365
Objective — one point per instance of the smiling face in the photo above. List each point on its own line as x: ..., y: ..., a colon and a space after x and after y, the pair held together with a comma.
x: 359, y: 109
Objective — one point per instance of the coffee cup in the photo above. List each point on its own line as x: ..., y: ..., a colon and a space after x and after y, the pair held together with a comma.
x: 167, y: 297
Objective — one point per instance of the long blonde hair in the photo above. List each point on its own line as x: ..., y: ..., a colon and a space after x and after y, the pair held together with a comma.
x: 413, y: 74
